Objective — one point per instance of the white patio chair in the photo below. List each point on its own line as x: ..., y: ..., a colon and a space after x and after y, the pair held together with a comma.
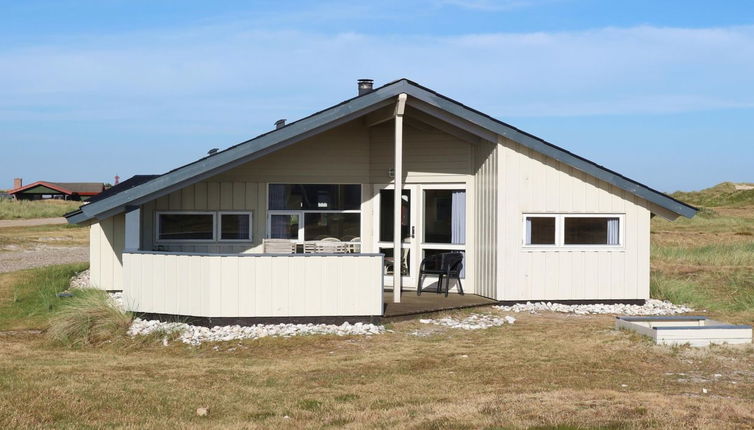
x: 279, y: 246
x: 310, y: 247
x: 330, y: 247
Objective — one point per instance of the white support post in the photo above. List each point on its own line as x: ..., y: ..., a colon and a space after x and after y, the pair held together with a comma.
x: 133, y: 229
x: 400, y: 107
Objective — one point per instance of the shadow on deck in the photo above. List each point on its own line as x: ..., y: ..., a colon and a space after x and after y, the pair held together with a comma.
x: 412, y: 305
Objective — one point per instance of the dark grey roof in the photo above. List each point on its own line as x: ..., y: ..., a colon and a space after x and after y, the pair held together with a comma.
x: 129, y: 183
x: 425, y: 99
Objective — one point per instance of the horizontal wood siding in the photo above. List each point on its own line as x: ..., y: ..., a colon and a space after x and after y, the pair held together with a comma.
x: 106, y: 241
x: 253, y: 286
x: 531, y: 182
x: 340, y: 155
x: 429, y: 155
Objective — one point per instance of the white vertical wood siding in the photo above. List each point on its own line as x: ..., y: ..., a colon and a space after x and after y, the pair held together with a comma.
x: 530, y: 182
x: 253, y: 285
x: 486, y: 196
x: 106, y: 242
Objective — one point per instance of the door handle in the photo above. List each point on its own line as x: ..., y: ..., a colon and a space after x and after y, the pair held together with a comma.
x: 413, y: 232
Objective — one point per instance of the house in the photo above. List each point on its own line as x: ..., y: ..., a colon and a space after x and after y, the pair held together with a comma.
x: 534, y: 221
x: 40, y: 190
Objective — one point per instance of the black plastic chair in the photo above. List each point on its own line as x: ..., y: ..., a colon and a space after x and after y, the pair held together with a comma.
x: 446, y: 265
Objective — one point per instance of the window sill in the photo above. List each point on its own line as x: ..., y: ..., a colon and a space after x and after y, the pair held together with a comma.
x: 595, y: 248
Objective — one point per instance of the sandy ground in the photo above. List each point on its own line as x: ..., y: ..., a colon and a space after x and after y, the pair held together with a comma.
x: 42, y: 256
x: 31, y: 222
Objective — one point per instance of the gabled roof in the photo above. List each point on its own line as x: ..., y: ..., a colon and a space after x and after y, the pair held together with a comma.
x: 129, y: 183
x: 422, y: 98
x: 80, y: 188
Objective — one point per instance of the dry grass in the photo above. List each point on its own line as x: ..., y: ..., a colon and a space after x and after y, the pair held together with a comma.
x: 23, y: 209
x: 13, y: 238
x: 88, y: 319
x: 545, y: 370
x: 707, y: 261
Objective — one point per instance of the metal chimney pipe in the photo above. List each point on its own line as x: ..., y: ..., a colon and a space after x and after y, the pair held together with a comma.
x: 279, y: 123
x: 366, y: 86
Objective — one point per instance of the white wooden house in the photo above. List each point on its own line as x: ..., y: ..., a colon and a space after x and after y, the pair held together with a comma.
x: 534, y: 221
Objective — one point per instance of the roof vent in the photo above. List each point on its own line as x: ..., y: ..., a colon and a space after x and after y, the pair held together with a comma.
x: 279, y: 123
x: 213, y: 151
x: 365, y: 86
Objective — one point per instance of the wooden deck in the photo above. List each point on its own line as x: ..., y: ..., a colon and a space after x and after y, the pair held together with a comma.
x: 412, y: 305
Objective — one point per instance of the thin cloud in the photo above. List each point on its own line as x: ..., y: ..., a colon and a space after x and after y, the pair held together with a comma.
x: 496, y: 5
x: 185, y: 72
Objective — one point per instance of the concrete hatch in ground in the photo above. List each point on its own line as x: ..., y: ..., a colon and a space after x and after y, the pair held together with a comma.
x: 679, y: 330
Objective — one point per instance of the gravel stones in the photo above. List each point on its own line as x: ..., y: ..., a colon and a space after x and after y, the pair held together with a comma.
x: 80, y: 280
x: 651, y: 307
x: 196, y: 335
x: 44, y: 255
x: 472, y: 322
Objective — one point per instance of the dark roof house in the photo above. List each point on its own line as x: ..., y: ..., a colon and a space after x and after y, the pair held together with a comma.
x: 304, y: 221
x: 56, y: 190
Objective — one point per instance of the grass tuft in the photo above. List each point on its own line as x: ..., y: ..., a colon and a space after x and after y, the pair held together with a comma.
x: 89, y: 318
x: 28, y: 298
x: 24, y: 209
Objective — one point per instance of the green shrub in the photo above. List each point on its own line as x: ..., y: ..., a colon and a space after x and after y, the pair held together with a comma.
x: 88, y: 318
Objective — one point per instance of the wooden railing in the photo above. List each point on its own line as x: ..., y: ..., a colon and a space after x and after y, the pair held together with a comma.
x: 253, y: 285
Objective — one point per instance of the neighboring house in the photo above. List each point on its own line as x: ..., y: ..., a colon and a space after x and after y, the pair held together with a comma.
x: 77, y: 191
x: 534, y: 221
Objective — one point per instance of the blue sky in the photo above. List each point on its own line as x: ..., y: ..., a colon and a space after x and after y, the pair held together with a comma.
x: 661, y: 91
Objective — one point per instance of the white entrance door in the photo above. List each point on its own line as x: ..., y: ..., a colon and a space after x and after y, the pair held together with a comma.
x: 433, y: 218
x: 384, y: 217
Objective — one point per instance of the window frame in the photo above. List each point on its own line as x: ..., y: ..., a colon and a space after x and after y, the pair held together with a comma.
x: 158, y: 238
x: 216, y: 227
x: 558, y: 234
x: 421, y: 206
x: 220, y: 226
x: 560, y: 231
x: 302, y: 212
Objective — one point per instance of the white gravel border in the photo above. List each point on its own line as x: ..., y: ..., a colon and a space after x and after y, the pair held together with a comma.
x: 472, y: 322
x: 651, y: 307
x: 196, y: 335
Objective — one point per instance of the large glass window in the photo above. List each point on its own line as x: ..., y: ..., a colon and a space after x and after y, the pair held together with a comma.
x: 314, y: 197
x: 235, y: 226
x: 342, y: 226
x: 591, y: 231
x: 314, y: 211
x: 445, y: 216
x: 177, y: 226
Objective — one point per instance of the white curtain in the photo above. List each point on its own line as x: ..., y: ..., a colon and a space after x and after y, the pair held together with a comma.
x: 613, y: 236
x: 528, y: 231
x: 458, y: 217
